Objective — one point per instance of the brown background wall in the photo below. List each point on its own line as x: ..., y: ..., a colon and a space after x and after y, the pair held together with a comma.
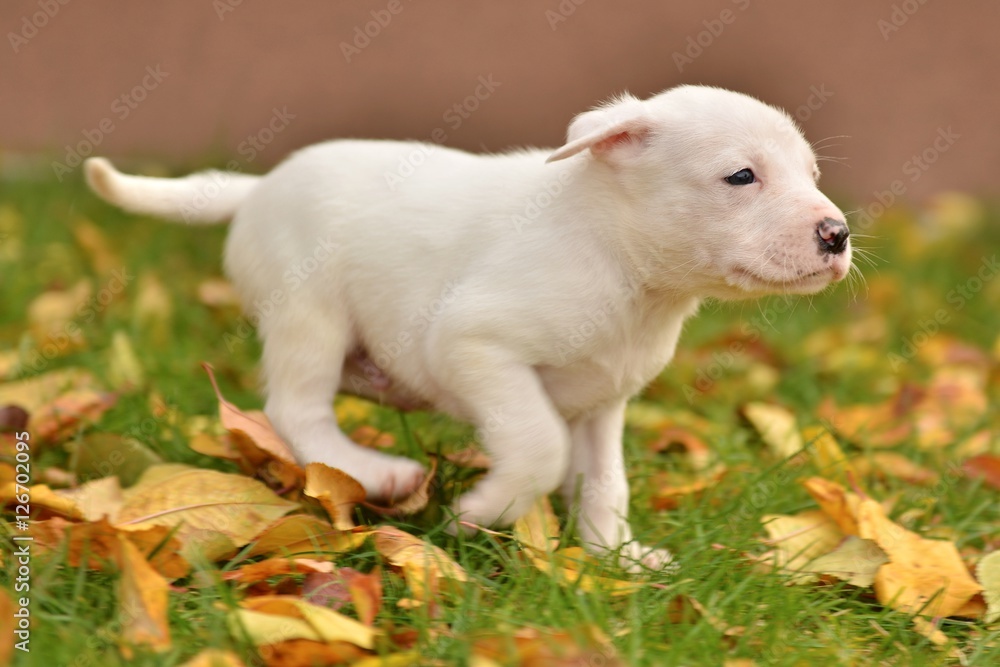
x: 229, y: 63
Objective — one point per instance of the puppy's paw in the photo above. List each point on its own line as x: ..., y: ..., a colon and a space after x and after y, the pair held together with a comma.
x: 385, y: 478
x: 636, y: 558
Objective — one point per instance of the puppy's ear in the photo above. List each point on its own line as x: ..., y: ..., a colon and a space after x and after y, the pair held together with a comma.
x: 619, y: 125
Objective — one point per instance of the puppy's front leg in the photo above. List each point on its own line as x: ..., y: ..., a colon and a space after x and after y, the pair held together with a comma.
x: 597, y: 470
x: 525, y: 436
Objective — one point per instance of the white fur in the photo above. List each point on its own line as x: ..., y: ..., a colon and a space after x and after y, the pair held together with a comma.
x: 529, y: 297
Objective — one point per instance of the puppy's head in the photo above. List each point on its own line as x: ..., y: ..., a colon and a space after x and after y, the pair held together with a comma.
x: 718, y: 193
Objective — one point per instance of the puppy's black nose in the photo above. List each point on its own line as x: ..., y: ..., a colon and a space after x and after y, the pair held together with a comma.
x: 832, y: 235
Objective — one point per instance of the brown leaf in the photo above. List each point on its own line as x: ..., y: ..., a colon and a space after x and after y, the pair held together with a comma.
x: 306, y: 653
x: 7, y: 611
x: 274, y: 567
x: 142, y: 596
x: 66, y: 414
x: 891, y: 464
x: 33, y: 393
x: 302, y: 534
x: 697, y: 450
x: 533, y: 647
x: 51, y: 319
x: 923, y: 576
x: 336, y: 491
x: 985, y: 467
x: 470, y: 457
x: 669, y: 489
x: 881, y: 425
x: 416, y: 501
x: 369, y: 436
x: 336, y: 589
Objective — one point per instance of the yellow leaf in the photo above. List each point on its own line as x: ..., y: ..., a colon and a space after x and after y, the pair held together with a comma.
x: 214, y: 657
x: 153, y: 307
x: 199, y: 502
x: 539, y: 528
x: 923, y: 576
x: 91, y: 238
x: 424, y: 565
x: 304, y: 534
x: 32, y: 393
x: 51, y: 319
x: 350, y: 409
x: 988, y: 572
x: 124, y: 368
x: 799, y: 539
x: 838, y: 503
x: 855, y: 561
x: 405, y: 659
x: 776, y: 426
x: 142, y: 596
x: 827, y: 455
x: 43, y: 497
x: 218, y: 293
x: 895, y: 465
x: 567, y: 566
x: 327, y: 624
x: 265, y: 629
x: 97, y: 499
x: 336, y: 491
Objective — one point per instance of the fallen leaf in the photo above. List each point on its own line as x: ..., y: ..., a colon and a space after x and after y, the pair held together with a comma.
x: 7, y: 611
x: 101, y: 454
x: 95, y: 244
x: 32, y: 393
x: 923, y: 576
x: 855, y: 561
x: 800, y: 538
x: 124, y: 370
x: 68, y: 413
x: 350, y: 409
x: 777, y: 428
x: 698, y: 452
x: 828, y: 456
x: 670, y: 488
x: 539, y: 528
x: 327, y: 624
x: 534, y: 647
x: 881, y: 425
x: 424, y: 565
x: 274, y: 567
x: 570, y: 567
x: 142, y: 597
x: 218, y: 293
x: 416, y: 501
x: 336, y: 491
x: 51, y: 319
x: 44, y: 498
x: 214, y: 657
x: 985, y: 467
x: 988, y: 572
x: 470, y: 457
x: 203, y: 504
x: 369, y: 436
x: 892, y: 464
x: 302, y: 534
x: 839, y: 504
x: 306, y: 653
x: 153, y: 307
x: 97, y: 499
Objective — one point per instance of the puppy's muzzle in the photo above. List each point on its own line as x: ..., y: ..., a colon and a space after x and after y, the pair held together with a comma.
x: 832, y: 236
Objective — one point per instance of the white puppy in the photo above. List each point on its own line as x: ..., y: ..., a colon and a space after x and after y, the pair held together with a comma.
x: 530, y: 293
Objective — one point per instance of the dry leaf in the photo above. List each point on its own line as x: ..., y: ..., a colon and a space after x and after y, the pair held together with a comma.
x: 470, y: 457
x: 416, y: 501
x: 345, y: 585
x: 539, y: 528
x: 91, y: 238
x: 776, y: 426
x: 302, y: 534
x: 698, y: 452
x: 855, y: 561
x: 923, y: 576
x: 306, y: 653
x: 895, y: 465
x: 214, y: 657
x: 800, y: 538
x: 96, y: 500
x: 142, y: 596
x: 274, y: 567
x: 839, y: 504
x: 828, y: 456
x: 569, y: 567
x: 218, y: 293
x: 153, y: 306
x: 205, y: 506
x: 65, y: 415
x: 327, y: 624
x: 533, y: 647
x: 7, y: 611
x: 424, y: 565
x: 51, y: 319
x: 124, y: 369
x: 369, y: 436
x: 879, y: 425
x: 985, y: 467
x: 336, y: 491
x: 988, y: 572
x: 32, y: 393
x: 44, y: 498
x: 670, y: 488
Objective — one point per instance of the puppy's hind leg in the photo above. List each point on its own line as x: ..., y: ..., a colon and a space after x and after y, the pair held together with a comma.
x: 304, y: 352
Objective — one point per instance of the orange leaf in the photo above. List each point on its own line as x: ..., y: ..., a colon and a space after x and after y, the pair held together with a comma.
x: 985, y: 466
x: 838, y: 503
x: 274, y: 567
x: 416, y: 501
x: 62, y: 417
x: 336, y: 491
x: 142, y: 594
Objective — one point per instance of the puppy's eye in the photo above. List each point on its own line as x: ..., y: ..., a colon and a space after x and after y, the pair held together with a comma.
x: 742, y: 177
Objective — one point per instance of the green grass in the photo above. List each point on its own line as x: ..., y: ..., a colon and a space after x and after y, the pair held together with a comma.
x: 75, y: 613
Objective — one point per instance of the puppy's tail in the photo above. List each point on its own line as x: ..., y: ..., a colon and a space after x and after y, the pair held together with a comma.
x: 204, y: 198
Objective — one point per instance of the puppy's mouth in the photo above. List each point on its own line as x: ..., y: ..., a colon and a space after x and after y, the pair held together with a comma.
x: 807, y: 283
